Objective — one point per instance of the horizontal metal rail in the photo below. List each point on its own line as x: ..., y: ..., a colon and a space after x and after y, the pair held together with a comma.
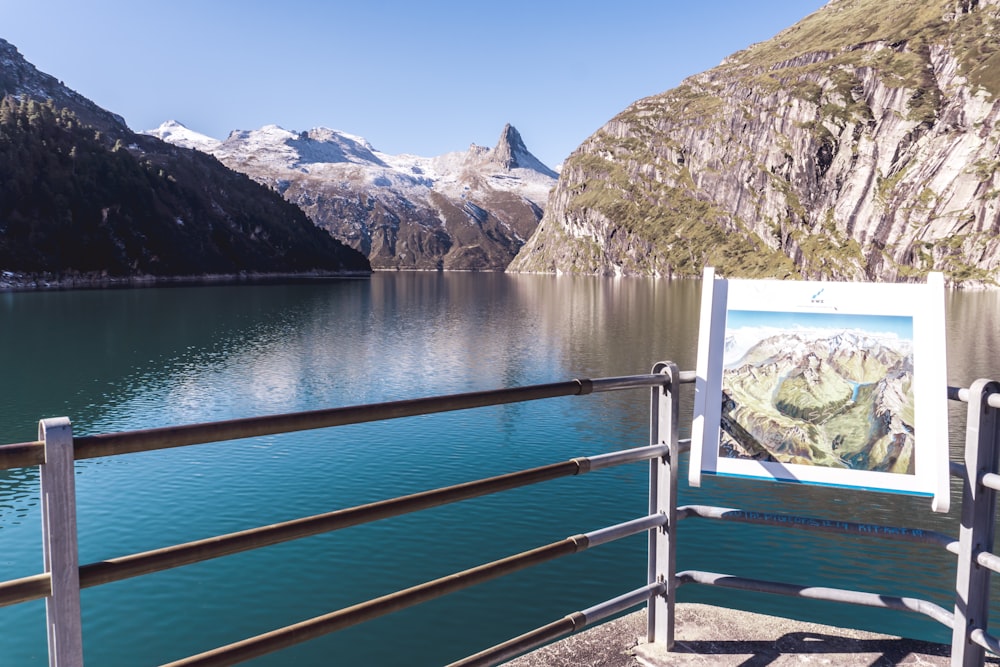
x: 916, y: 535
x: 27, y: 454
x: 567, y: 625
x: 986, y: 640
x: 636, y: 381
x: 22, y: 455
x: 35, y: 587
x: 291, y: 635
x: 129, y: 442
x: 157, y: 560
x: 601, y: 536
x: 924, y: 607
x: 193, y: 434
x: 600, y: 461
x: 991, y: 481
x: 962, y: 394
x: 988, y: 560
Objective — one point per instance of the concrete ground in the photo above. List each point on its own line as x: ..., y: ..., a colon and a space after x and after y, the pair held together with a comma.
x: 710, y: 636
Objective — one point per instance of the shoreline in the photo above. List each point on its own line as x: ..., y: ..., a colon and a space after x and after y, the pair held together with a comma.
x: 14, y: 281
x: 21, y: 281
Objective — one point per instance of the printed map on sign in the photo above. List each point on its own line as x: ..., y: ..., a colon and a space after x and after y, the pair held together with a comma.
x: 819, y: 389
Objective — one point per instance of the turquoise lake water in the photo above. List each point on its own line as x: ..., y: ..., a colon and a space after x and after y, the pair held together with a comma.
x: 122, y: 359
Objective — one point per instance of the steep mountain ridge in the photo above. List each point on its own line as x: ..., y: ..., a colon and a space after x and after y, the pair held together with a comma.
x: 83, y: 199
x: 20, y: 78
x: 469, y: 210
x: 859, y: 144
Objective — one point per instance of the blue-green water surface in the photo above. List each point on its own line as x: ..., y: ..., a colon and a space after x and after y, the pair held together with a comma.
x: 116, y: 360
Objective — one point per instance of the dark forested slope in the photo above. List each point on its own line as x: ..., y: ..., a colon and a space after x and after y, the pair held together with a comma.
x: 72, y: 203
x: 80, y: 193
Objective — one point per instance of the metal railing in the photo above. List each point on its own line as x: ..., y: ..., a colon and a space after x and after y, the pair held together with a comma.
x: 56, y: 450
x: 969, y: 621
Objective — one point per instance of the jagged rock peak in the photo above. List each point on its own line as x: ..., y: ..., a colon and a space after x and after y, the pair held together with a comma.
x: 511, y: 153
x: 508, y: 145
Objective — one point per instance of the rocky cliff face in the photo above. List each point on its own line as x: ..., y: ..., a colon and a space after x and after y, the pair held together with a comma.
x: 860, y: 144
x: 459, y: 211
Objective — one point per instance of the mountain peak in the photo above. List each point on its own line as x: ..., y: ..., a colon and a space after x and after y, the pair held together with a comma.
x: 511, y: 153
x: 509, y: 144
x: 176, y: 133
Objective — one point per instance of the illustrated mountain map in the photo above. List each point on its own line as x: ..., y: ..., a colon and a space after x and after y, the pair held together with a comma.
x: 835, y: 398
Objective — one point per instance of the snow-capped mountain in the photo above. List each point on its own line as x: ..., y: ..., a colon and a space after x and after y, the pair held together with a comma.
x: 175, y: 133
x: 469, y: 210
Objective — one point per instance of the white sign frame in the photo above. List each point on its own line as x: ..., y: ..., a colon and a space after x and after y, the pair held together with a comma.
x: 798, y: 308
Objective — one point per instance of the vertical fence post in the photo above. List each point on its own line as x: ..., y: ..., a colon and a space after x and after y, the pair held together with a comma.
x: 663, y: 499
x: 59, y: 545
x: 972, y: 581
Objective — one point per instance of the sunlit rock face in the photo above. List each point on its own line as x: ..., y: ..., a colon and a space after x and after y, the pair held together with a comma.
x: 859, y: 144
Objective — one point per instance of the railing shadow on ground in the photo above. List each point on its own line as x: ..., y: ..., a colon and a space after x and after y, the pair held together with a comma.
x: 763, y: 653
x: 56, y: 450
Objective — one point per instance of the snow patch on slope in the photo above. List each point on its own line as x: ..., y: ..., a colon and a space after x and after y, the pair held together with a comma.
x: 175, y: 133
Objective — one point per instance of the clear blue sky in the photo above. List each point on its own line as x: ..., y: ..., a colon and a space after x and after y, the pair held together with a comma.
x: 891, y: 324
x: 411, y: 77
